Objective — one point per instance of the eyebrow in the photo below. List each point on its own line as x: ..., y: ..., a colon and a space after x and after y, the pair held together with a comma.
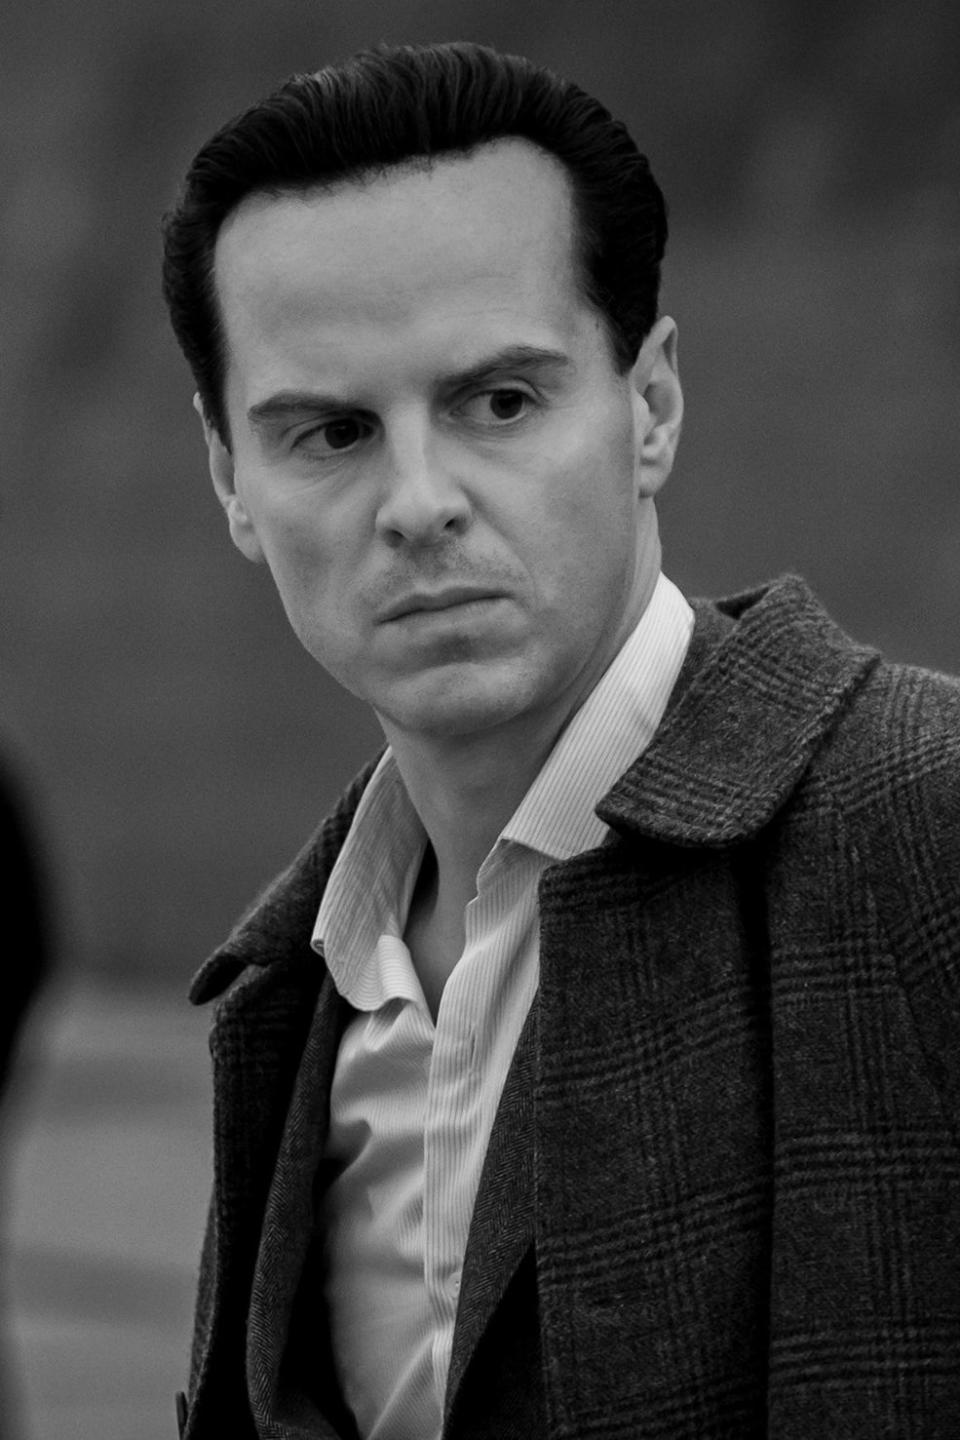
x: 517, y: 359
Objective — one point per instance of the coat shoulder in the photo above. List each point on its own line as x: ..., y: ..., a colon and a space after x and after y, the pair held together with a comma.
x: 276, y: 928
x: 898, y: 739
x: 890, y: 776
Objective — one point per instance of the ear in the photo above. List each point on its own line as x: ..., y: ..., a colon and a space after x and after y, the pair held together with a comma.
x: 658, y: 404
x: 242, y: 532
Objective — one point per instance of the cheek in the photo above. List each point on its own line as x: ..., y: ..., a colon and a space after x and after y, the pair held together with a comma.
x: 306, y: 579
x: 582, y: 553
x: 291, y: 535
x: 587, y: 505
x: 591, y: 463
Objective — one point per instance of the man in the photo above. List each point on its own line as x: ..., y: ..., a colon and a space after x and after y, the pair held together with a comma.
x: 592, y: 1071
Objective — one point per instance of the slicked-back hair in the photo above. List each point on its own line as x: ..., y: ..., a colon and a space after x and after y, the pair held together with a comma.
x: 406, y: 104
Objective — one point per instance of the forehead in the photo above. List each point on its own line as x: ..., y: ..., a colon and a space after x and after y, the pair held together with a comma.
x: 469, y: 240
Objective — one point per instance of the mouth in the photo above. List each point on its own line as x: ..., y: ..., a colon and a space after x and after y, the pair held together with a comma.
x: 425, y: 602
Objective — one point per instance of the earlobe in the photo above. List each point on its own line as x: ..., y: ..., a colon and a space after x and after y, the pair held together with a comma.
x: 222, y: 473
x: 242, y: 532
x: 659, y: 406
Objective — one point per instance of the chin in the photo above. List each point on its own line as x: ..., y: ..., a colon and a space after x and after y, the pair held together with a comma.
x: 453, y: 709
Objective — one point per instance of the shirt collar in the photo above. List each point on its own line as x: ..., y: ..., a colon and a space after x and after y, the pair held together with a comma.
x: 368, y: 894
x: 613, y: 726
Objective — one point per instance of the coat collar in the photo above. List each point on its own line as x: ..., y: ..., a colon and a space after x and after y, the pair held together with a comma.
x: 767, y: 674
x: 278, y: 926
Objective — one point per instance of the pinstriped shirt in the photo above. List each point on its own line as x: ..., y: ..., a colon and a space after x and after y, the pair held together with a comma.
x: 413, y: 1101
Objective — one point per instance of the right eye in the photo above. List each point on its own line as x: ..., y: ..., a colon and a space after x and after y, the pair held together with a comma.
x: 336, y: 435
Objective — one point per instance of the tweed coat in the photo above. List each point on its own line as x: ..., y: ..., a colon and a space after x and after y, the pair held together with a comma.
x: 722, y: 1194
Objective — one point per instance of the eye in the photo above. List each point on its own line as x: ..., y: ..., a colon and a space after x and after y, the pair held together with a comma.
x: 341, y: 434
x: 336, y: 435
x: 497, y: 407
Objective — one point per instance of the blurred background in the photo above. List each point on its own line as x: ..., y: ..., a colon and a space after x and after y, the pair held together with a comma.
x: 176, y: 744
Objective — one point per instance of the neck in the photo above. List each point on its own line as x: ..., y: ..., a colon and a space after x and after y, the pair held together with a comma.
x: 465, y: 788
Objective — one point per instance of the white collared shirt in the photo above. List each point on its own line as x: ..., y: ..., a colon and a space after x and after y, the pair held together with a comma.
x: 412, y: 1102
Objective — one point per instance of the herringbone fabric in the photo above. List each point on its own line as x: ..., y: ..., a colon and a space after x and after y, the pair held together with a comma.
x: 737, y: 1103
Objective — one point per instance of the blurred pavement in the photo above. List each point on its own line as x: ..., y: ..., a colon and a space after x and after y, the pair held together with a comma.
x: 106, y: 1170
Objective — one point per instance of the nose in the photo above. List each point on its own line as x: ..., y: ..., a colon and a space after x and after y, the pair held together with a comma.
x: 423, y: 501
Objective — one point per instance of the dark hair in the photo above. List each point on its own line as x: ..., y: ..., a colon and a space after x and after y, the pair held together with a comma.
x: 387, y: 106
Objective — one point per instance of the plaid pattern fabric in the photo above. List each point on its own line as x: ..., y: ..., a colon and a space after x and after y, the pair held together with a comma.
x: 734, y: 1117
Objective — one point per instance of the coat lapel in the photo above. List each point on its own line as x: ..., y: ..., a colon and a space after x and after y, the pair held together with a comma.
x: 256, y: 1042
x: 289, y: 1220
x: 266, y: 979
x: 652, y: 1173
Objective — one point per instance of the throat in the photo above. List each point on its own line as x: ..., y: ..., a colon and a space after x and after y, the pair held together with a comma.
x: 434, y: 932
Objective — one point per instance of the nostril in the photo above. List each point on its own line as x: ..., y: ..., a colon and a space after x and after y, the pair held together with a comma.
x: 421, y: 513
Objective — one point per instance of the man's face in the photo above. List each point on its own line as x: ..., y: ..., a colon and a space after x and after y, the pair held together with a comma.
x: 431, y: 446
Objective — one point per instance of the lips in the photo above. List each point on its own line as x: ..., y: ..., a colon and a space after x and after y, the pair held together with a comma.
x: 425, y: 601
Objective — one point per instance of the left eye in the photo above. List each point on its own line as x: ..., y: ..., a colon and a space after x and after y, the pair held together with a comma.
x: 500, y: 406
